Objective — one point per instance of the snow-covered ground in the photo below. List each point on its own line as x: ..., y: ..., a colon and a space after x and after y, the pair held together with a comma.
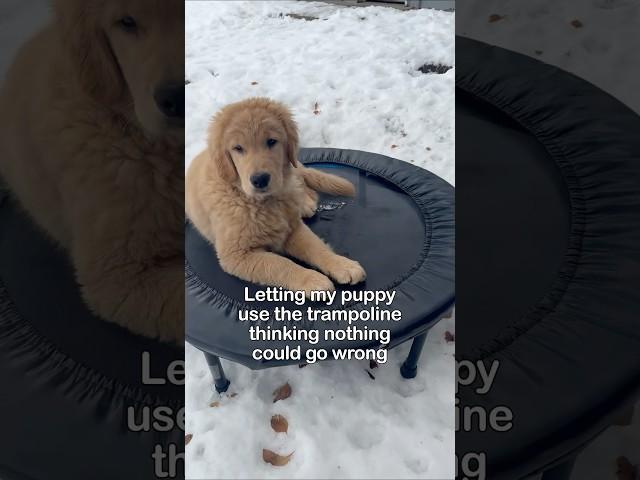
x: 597, y: 40
x: 342, y: 423
x: 358, y: 68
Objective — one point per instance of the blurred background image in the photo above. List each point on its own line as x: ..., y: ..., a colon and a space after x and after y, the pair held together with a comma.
x: 91, y: 218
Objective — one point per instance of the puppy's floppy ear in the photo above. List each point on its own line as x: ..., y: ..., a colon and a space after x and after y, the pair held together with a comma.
x: 217, y: 152
x: 225, y: 165
x: 291, y: 129
x: 89, y: 49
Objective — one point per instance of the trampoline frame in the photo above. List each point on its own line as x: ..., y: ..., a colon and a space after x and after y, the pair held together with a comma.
x: 428, y: 197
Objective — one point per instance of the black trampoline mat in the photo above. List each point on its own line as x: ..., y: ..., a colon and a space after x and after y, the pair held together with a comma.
x: 513, y: 234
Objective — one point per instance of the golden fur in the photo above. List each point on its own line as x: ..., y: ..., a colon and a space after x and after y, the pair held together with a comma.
x: 252, y: 228
x: 87, y: 152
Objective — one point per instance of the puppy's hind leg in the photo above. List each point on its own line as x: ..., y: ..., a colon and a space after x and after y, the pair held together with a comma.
x: 309, y: 202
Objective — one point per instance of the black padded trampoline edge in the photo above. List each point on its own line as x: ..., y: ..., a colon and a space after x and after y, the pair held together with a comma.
x: 21, y: 338
x: 470, y: 82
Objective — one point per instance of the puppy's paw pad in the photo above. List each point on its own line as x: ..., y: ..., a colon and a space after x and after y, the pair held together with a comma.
x: 347, y: 271
x: 316, y: 281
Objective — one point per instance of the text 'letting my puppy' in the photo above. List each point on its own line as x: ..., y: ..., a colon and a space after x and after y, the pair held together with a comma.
x: 286, y: 337
x: 279, y: 294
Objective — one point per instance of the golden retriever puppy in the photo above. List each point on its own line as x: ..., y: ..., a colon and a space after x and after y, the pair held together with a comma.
x: 247, y: 194
x: 92, y: 146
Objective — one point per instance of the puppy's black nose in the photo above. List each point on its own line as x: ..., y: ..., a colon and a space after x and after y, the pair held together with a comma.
x: 260, y: 180
x: 170, y: 100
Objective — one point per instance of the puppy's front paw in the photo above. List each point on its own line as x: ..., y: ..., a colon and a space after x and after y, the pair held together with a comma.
x: 346, y: 271
x: 315, y: 281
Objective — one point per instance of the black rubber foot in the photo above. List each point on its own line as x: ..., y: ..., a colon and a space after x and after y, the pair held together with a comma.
x: 407, y: 371
x: 222, y: 386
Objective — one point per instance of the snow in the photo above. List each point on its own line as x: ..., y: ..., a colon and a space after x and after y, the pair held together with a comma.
x: 358, y: 65
x: 342, y: 424
x: 358, y: 68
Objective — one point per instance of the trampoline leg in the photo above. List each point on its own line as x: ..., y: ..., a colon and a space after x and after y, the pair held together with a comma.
x: 220, y: 381
x: 409, y: 368
x: 560, y: 472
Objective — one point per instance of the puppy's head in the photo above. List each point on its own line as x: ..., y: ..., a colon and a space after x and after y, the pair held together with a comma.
x: 254, y: 142
x: 129, y: 55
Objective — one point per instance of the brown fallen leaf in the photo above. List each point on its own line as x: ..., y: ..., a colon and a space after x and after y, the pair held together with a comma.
x: 449, y: 337
x: 394, y: 146
x: 371, y: 376
x: 232, y: 395
x: 187, y: 438
x: 274, y: 459
x: 254, y: 83
x: 282, y: 392
x: 373, y: 364
x: 577, y: 23
x: 625, y: 470
x: 214, y: 404
x: 279, y: 424
x: 494, y: 17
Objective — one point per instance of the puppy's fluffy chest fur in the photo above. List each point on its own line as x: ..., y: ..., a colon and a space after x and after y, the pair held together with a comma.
x: 105, y: 175
x: 266, y: 223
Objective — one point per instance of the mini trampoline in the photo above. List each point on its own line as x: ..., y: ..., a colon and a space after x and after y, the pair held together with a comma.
x: 548, y: 255
x: 67, y: 377
x: 399, y: 226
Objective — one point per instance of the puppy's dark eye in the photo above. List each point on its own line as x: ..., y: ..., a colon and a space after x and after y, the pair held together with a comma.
x: 128, y: 24
x: 238, y: 148
x: 271, y: 142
